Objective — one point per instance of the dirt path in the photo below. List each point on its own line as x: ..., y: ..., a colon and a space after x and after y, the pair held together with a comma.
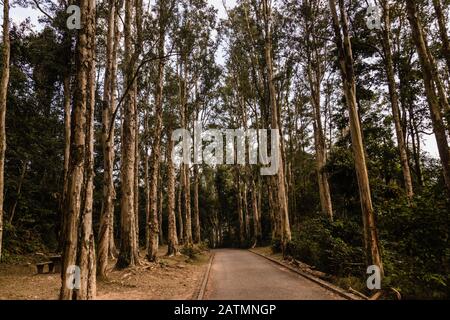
x: 240, y: 274
x: 172, y: 278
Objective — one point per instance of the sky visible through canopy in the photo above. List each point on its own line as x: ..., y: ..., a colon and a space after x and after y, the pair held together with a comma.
x: 19, y: 14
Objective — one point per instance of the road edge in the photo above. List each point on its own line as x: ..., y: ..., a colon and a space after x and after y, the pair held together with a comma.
x: 320, y: 282
x: 205, y: 279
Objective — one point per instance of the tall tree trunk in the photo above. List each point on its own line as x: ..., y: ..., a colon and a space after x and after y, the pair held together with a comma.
x: 280, y: 191
x: 107, y: 145
x: 442, y: 31
x: 160, y: 207
x: 19, y: 190
x: 322, y: 176
x: 393, y: 95
x: 77, y: 159
x: 197, y: 237
x: 430, y: 84
x: 441, y: 91
x: 113, y: 252
x: 319, y: 142
x: 156, y: 150
x: 136, y: 169
x: 415, y: 145
x: 274, y: 226
x: 256, y: 217
x: 179, y: 211
x: 86, y: 256
x: 239, y: 208
x: 67, y: 105
x: 246, y: 211
x: 147, y: 180
x: 138, y: 49
x: 78, y: 248
x: 67, y: 77
x: 187, y: 206
x: 345, y: 56
x: 185, y: 172
x: 315, y: 76
x: 3, y: 97
x: 172, y: 240
x: 128, y: 255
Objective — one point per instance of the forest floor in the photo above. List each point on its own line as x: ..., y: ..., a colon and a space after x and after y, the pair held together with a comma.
x: 177, y: 277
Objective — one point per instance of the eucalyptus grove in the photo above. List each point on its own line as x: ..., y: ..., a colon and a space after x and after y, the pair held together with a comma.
x: 344, y: 111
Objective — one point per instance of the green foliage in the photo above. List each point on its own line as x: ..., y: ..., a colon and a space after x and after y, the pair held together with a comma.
x: 192, y: 251
x: 203, y: 245
x: 19, y: 242
x: 415, y: 241
x: 189, y: 251
x: 276, y: 245
x: 357, y: 283
x: 34, y: 141
x: 330, y: 247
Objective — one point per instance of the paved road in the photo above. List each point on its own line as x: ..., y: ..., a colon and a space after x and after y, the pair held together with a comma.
x: 240, y: 274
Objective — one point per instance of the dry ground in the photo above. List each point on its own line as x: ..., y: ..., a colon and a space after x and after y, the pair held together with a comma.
x: 171, y: 278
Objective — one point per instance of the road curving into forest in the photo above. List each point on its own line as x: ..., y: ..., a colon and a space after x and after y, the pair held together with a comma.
x: 242, y: 275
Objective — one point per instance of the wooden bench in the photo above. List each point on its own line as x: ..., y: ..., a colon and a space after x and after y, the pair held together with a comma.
x: 54, y: 265
x: 40, y: 266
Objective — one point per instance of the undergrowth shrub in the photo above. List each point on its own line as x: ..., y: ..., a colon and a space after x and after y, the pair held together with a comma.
x: 414, y: 241
x: 319, y: 244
